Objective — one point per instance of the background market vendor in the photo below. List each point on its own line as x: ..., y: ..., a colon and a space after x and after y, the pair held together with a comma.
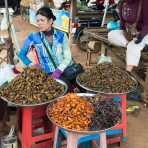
x: 129, y: 14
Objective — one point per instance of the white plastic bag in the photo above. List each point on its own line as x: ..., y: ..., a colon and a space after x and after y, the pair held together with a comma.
x: 116, y: 37
x: 6, y: 73
x: 91, y: 3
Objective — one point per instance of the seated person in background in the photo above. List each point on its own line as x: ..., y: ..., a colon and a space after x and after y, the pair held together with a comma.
x: 134, y: 20
x: 51, y: 45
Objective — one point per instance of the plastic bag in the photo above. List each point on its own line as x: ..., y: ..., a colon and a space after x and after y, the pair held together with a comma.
x: 116, y: 37
x: 113, y: 25
x: 6, y: 73
x: 71, y: 72
x: 103, y: 59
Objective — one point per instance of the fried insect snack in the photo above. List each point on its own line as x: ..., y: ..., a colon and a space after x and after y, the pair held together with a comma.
x: 32, y: 86
x: 72, y: 112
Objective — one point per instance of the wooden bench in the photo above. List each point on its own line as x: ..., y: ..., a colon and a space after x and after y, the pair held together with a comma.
x: 94, y: 40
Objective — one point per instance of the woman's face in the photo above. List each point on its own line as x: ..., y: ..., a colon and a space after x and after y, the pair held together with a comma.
x: 43, y: 23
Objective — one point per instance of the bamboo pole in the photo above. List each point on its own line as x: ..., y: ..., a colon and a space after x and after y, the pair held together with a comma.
x: 72, y: 18
x: 10, y: 52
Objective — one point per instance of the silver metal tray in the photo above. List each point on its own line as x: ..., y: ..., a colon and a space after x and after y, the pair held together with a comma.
x: 37, y: 104
x: 76, y: 131
x: 105, y: 93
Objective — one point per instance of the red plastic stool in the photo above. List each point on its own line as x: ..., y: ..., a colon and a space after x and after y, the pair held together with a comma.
x: 31, y: 119
x: 123, y: 123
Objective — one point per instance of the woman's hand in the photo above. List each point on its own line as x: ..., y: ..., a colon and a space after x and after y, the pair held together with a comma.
x: 35, y: 65
x: 56, y: 74
x: 18, y: 68
x: 138, y: 39
x: 127, y: 36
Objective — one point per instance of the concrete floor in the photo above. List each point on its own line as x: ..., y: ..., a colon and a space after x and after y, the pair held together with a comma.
x: 137, y: 124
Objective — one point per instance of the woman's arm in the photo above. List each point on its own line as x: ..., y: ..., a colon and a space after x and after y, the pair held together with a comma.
x: 24, y: 50
x: 67, y: 54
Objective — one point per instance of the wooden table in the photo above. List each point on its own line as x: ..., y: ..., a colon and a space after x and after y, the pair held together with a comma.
x: 99, y: 34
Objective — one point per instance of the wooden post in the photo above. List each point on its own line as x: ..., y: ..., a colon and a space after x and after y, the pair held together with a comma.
x: 73, y: 8
x: 10, y: 52
x: 103, y: 141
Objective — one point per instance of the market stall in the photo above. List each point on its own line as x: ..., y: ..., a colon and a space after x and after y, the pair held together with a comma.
x: 33, y: 89
x: 101, y: 83
x: 99, y: 114
x: 30, y: 92
x: 76, y: 124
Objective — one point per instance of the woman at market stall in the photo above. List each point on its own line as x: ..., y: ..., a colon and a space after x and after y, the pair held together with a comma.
x: 51, y: 46
x: 134, y: 30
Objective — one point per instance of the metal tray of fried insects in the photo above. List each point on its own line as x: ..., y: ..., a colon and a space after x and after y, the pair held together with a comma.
x: 83, y: 95
x: 36, y: 104
x: 91, y: 90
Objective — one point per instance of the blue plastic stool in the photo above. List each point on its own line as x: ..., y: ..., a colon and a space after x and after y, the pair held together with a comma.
x: 84, y: 138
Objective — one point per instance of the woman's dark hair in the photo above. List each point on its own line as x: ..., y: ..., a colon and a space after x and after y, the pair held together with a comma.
x: 47, y: 12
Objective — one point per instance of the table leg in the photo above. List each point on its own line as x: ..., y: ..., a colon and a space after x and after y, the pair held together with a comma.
x: 27, y: 127
x: 72, y: 140
x: 56, y: 137
x: 124, y: 117
x: 103, y: 141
